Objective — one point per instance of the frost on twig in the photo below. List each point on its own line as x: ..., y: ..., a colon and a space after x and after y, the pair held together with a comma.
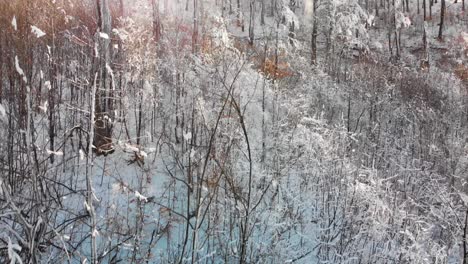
x: 12, y: 252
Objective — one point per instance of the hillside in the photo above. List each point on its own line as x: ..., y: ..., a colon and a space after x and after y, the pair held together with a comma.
x: 233, y: 131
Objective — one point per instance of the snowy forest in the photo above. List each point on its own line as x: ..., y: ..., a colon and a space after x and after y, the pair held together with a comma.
x: 233, y: 131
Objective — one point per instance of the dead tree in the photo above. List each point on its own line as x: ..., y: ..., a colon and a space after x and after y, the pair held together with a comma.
x: 102, y: 139
x: 442, y: 15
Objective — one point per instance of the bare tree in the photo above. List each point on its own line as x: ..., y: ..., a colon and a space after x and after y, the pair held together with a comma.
x: 314, y: 34
x: 252, y: 22
x: 442, y: 15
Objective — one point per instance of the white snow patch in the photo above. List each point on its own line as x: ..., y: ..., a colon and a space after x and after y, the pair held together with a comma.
x: 377, y: 45
x: 37, y: 31
x: 12, y: 255
x: 116, y: 187
x: 82, y: 154
x: 56, y: 153
x: 2, y: 111
x: 44, y: 107
x: 19, y: 70
x: 151, y: 150
x: 14, y: 24
x: 94, y: 195
x: 109, y: 69
x: 141, y: 197
x: 464, y: 198
x: 192, y: 153
x: 103, y: 35
x: 96, y: 51
x: 47, y: 85
x: 188, y: 136
x: 370, y: 20
x: 289, y: 16
x: 107, y: 118
x: 274, y: 184
x: 88, y: 208
x: 131, y: 148
x: 402, y: 20
x: 95, y: 233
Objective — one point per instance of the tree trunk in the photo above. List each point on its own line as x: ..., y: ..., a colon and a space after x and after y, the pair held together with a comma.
x: 431, y: 3
x: 240, y: 17
x: 314, y: 35
x: 89, y: 183
x: 424, y: 9
x: 389, y: 35
x: 156, y: 21
x: 442, y: 14
x: 1, y: 70
x: 425, y: 61
x: 397, y: 35
x: 262, y: 14
x: 222, y: 8
x: 272, y: 9
x: 465, y: 236
x: 195, y: 26
x: 252, y: 22
x: 104, y: 105
x: 121, y: 7
x: 376, y: 9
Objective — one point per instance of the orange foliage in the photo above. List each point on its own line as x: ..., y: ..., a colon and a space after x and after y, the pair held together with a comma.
x: 207, y: 46
x: 460, y: 45
x: 212, y: 182
x: 265, y: 61
x: 462, y: 72
x: 279, y: 71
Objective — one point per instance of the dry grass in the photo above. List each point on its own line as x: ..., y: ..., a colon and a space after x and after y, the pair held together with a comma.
x: 462, y: 72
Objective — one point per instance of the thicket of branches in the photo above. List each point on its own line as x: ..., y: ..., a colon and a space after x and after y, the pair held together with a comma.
x: 239, y: 132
